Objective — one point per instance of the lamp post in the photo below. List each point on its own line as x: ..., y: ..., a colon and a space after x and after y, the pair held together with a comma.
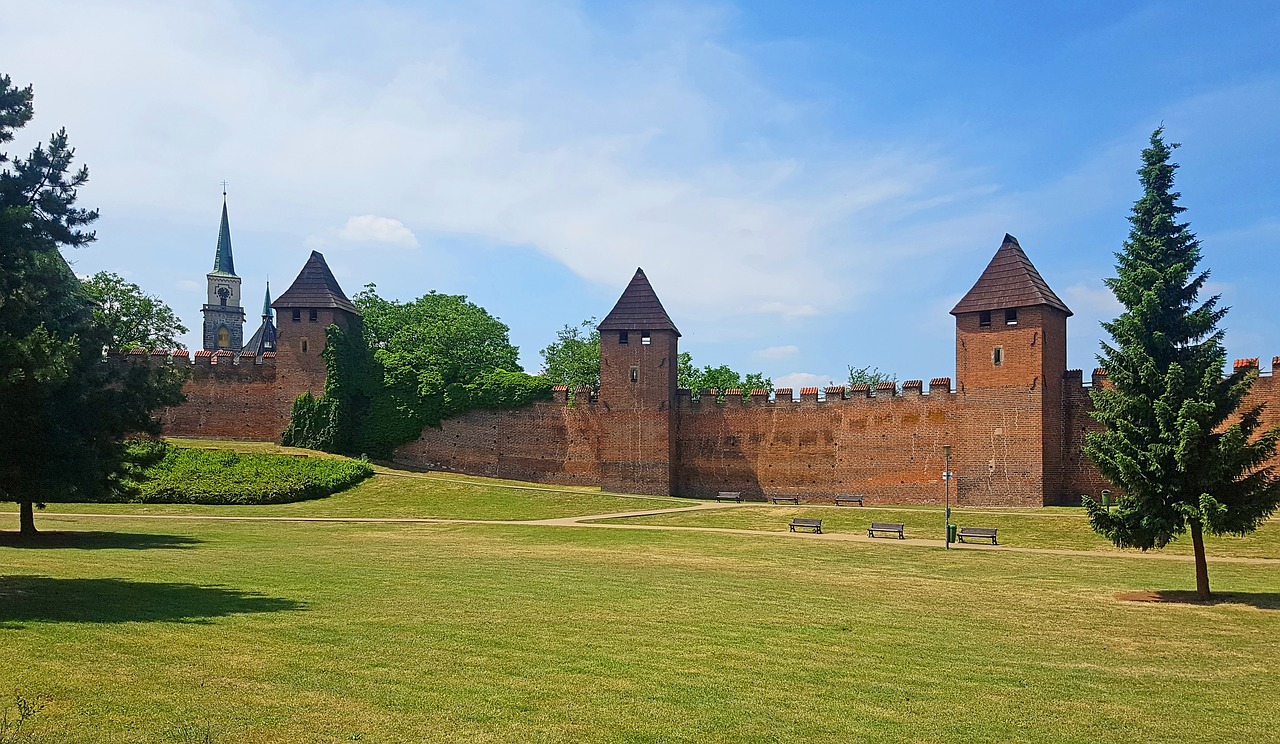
x: 946, y: 481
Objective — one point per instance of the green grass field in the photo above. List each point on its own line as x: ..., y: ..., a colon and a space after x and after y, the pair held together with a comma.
x: 145, y: 630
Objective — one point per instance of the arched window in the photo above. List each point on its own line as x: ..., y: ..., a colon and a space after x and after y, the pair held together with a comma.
x: 224, y: 338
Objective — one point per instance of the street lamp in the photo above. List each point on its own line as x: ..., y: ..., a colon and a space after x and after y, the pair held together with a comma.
x: 946, y: 481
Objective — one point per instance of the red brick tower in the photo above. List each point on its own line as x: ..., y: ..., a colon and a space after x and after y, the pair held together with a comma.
x: 303, y: 312
x: 638, y: 353
x: 1011, y: 355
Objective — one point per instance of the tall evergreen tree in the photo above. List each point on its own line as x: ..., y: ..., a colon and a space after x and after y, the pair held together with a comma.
x: 63, y: 412
x: 1167, y: 444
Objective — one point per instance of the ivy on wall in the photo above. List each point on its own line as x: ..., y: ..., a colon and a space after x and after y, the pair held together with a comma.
x: 373, y: 402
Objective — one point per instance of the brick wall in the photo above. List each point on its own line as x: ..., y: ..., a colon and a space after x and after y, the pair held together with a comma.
x: 547, y: 442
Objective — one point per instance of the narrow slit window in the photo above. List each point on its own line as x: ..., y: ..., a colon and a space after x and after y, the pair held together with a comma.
x: 635, y: 374
x: 622, y: 337
x: 984, y: 319
x: 304, y: 346
x: 1011, y: 316
x: 644, y: 338
x: 997, y: 356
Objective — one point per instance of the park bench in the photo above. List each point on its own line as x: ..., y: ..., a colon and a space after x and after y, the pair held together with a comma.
x: 786, y: 499
x: 982, y: 533
x: 895, y: 527
x: 729, y: 496
x: 803, y: 523
x: 849, y: 498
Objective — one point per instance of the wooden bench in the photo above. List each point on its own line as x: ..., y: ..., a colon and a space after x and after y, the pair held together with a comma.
x: 786, y: 499
x: 982, y: 533
x: 803, y: 523
x: 729, y: 496
x: 895, y: 527
x: 849, y: 498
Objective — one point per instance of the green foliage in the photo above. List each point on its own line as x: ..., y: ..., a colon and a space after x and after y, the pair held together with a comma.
x: 132, y: 318
x: 63, y: 413
x: 720, y: 378
x: 440, y: 339
x: 1167, y: 443
x: 178, y: 475
x: 869, y: 376
x: 573, y: 359
x: 377, y: 398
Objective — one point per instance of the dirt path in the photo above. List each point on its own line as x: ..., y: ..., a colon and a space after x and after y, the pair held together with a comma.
x: 588, y: 521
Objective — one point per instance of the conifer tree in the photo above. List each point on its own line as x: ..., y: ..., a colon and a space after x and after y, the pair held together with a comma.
x: 63, y: 412
x: 1167, y: 444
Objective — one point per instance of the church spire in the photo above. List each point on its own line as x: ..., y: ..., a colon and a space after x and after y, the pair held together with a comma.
x: 222, y: 260
x: 267, y: 312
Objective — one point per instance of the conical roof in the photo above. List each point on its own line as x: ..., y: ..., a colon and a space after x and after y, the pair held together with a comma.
x: 1009, y: 281
x: 222, y: 260
x: 263, y: 340
x: 315, y: 287
x: 638, y: 309
x: 266, y: 304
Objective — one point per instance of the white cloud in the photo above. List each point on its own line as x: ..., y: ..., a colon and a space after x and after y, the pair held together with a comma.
x: 799, y: 380
x: 517, y: 122
x: 368, y: 228
x: 188, y: 285
x: 777, y: 352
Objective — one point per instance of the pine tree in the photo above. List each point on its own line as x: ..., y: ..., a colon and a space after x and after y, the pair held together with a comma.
x: 63, y: 412
x: 1167, y: 443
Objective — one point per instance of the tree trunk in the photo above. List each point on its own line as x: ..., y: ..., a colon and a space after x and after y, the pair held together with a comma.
x: 1202, y: 566
x: 27, y: 519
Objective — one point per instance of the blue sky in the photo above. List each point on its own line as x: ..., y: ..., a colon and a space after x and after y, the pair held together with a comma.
x: 807, y: 185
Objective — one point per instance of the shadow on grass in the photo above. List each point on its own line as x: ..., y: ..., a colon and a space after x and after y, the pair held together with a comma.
x: 96, y: 540
x: 46, y: 599
x: 1260, y: 600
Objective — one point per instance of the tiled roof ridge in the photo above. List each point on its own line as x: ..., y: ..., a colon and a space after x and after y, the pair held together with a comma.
x: 1009, y: 281
x: 638, y: 309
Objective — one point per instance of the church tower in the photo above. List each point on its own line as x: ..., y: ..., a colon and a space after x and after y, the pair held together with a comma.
x: 223, y: 315
x: 639, y: 346
x: 1011, y: 357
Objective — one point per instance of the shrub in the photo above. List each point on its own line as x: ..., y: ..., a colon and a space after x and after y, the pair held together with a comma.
x: 200, y: 476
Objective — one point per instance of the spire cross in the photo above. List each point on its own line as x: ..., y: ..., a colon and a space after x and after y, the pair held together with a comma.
x: 224, y: 188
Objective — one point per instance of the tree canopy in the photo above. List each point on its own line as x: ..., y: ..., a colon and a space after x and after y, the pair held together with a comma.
x: 1168, y: 444
x: 573, y: 359
x: 719, y: 378
x: 869, y: 376
x: 405, y: 366
x: 132, y: 318
x: 63, y: 413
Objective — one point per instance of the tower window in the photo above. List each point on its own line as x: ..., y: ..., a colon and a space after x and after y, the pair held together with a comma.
x: 304, y: 346
x: 997, y: 356
x: 1011, y: 316
x: 223, y: 300
x: 635, y: 374
x: 297, y: 316
x: 622, y: 337
x: 314, y: 315
x: 644, y: 338
x: 224, y: 338
x: 984, y: 319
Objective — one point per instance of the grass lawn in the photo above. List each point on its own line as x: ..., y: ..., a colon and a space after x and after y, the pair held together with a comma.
x: 144, y: 630
x: 1057, y: 528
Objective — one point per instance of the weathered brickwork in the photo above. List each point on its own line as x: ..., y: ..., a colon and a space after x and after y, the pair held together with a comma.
x: 1016, y: 419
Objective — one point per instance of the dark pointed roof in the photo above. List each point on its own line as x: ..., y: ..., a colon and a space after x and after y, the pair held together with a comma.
x: 1009, y: 281
x: 266, y: 303
x: 263, y: 340
x: 222, y: 260
x: 315, y: 287
x: 638, y: 309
